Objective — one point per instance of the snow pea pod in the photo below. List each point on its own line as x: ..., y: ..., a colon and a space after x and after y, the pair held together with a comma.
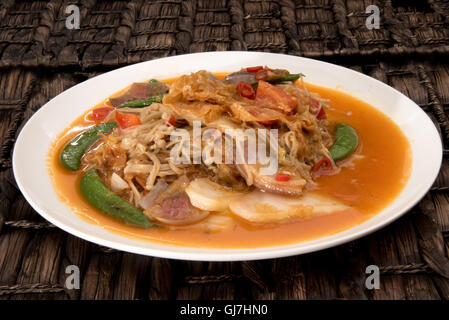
x: 74, y: 150
x: 142, y: 103
x: 345, y: 143
x: 291, y: 77
x: 98, y: 195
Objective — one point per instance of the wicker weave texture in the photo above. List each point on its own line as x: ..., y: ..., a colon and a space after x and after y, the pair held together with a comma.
x: 40, y: 58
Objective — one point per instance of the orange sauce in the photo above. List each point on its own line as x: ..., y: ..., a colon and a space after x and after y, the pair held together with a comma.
x: 368, y: 186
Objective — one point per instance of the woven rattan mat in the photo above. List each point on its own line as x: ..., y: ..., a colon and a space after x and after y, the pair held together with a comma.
x: 40, y: 57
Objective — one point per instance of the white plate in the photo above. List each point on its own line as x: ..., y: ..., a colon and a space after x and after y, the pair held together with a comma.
x: 33, y: 143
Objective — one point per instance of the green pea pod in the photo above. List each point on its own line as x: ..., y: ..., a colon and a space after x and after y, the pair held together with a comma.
x: 98, y: 195
x: 142, y: 103
x: 345, y: 143
x: 291, y: 77
x: 74, y: 150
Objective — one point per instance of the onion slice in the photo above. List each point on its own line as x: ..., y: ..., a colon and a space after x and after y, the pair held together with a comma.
x: 216, y: 223
x: 117, y: 183
x: 265, y: 207
x: 149, y: 199
x: 210, y: 196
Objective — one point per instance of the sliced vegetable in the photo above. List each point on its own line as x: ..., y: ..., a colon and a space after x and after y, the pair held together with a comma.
x: 261, y: 74
x: 283, y: 177
x: 268, y: 122
x: 245, y: 90
x: 345, y: 143
x: 249, y: 112
x: 268, y: 94
x: 142, y: 103
x: 100, y: 114
x: 321, y: 115
x: 207, y: 195
x: 323, y: 166
x: 171, y: 120
x: 291, y: 77
x: 251, y: 75
x: 294, y: 186
x: 126, y: 120
x: 117, y: 183
x: 215, y: 223
x: 254, y: 69
x: 74, y: 150
x: 266, y: 207
x: 149, y: 199
x: 98, y: 195
x: 276, y: 75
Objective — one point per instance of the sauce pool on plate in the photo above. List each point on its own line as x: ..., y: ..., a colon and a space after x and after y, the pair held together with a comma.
x: 366, y: 184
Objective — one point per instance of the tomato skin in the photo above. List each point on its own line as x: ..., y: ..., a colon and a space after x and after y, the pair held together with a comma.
x: 126, y: 120
x: 315, y: 103
x: 100, y: 114
x: 321, y: 114
x: 171, y: 120
x: 268, y: 122
x: 245, y: 90
x: 282, y: 177
x: 254, y: 69
x: 267, y: 92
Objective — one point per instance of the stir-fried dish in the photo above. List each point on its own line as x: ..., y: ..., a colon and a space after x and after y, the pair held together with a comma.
x: 203, y: 152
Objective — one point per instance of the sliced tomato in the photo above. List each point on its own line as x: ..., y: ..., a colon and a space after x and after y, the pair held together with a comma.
x: 254, y: 69
x: 126, y: 120
x: 283, y: 177
x: 100, y: 114
x: 274, y: 96
x: 321, y: 114
x: 171, y: 120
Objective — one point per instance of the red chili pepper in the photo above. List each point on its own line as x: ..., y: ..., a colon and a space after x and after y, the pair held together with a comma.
x: 126, y: 120
x: 268, y: 122
x: 321, y: 114
x: 245, y: 90
x: 99, y: 114
x: 282, y: 177
x: 326, y: 163
x: 254, y: 69
x: 171, y: 120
